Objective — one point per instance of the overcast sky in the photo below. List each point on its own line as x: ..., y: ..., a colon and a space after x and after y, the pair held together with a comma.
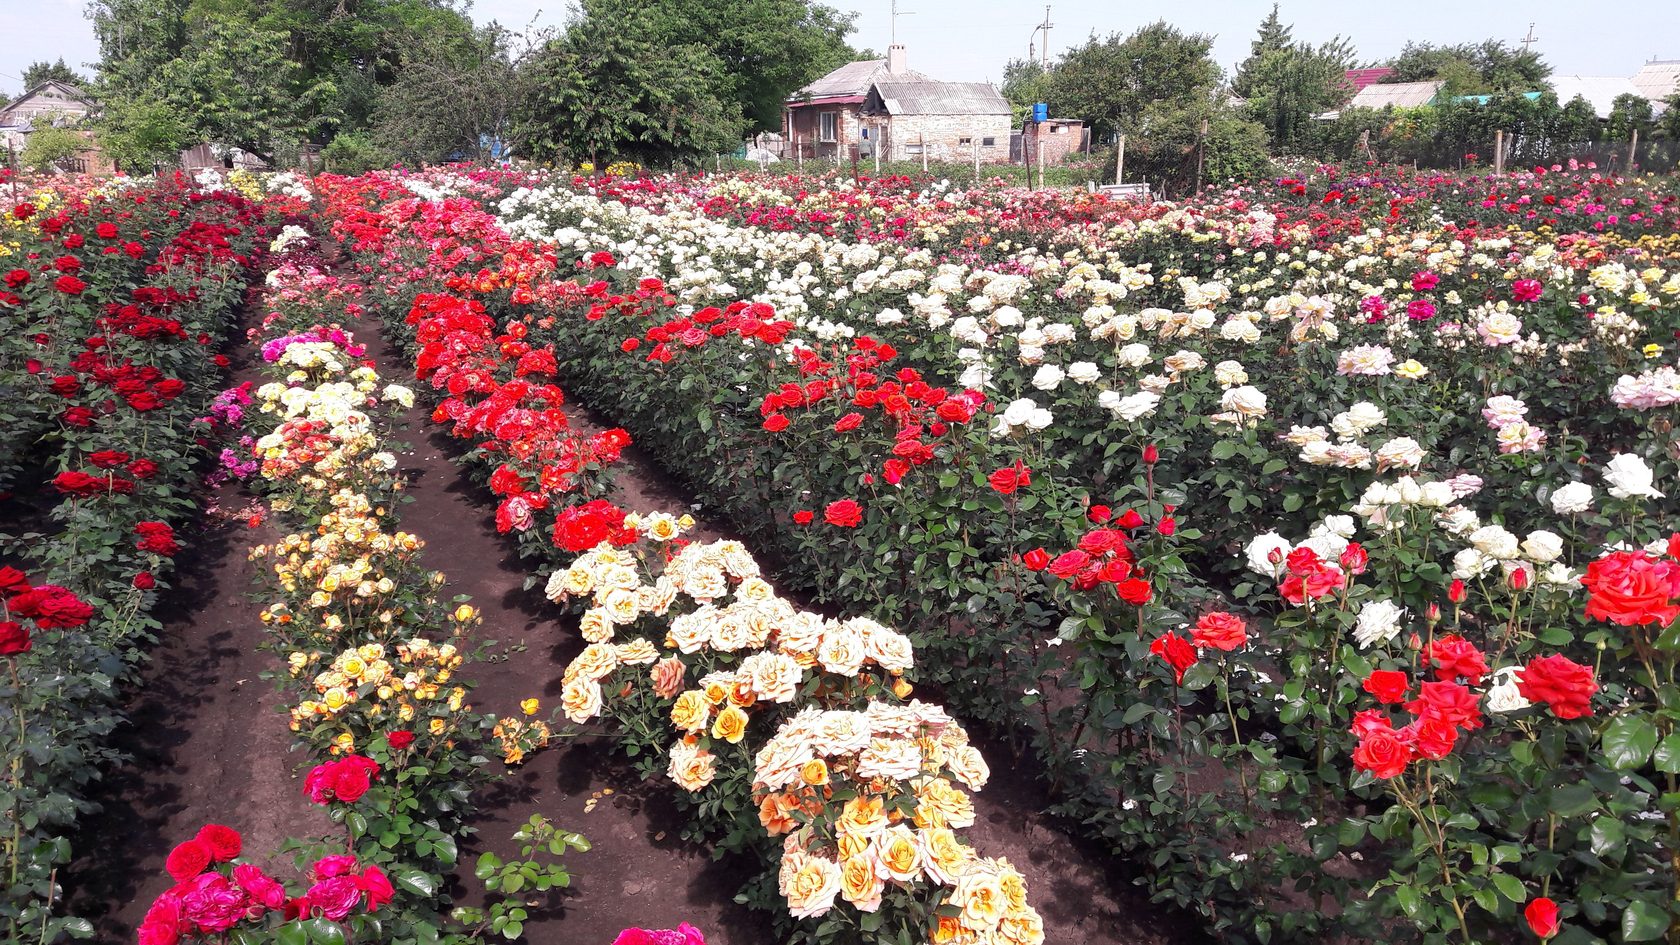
x: 970, y: 40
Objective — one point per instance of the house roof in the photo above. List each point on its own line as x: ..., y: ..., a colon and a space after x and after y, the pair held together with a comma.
x: 51, y: 89
x: 1658, y: 79
x: 1599, y: 90
x: 941, y: 98
x: 1398, y: 94
x: 1359, y: 78
x: 854, y: 78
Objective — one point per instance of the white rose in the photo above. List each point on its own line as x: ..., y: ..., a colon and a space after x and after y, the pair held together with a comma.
x: 1503, y: 694
x: 1436, y: 495
x: 1470, y: 563
x: 1572, y: 498
x: 1379, y: 622
x: 1494, y: 541
x: 1402, y: 452
x: 1542, y: 547
x: 1261, y: 550
x: 1342, y: 525
x: 1459, y: 521
x: 1629, y: 477
x: 1084, y: 372
x: 1134, y: 355
x: 1245, y: 401
x: 1137, y: 406
x: 1559, y: 574
x: 1048, y: 377
x: 1017, y: 412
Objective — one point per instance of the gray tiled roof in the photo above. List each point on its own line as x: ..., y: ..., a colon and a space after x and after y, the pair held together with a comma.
x: 941, y: 98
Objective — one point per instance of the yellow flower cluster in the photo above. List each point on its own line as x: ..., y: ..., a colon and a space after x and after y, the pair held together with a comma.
x: 364, y: 681
x: 518, y: 738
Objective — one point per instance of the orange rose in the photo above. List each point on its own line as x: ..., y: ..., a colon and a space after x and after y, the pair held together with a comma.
x: 731, y: 725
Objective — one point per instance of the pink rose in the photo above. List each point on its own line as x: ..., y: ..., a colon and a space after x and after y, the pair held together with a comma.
x: 667, y: 677
x: 162, y: 924
x: 213, y: 903
x: 261, y: 887
x: 335, y: 897
x: 327, y: 867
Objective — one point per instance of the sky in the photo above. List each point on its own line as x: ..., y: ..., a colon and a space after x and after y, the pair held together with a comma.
x: 971, y: 40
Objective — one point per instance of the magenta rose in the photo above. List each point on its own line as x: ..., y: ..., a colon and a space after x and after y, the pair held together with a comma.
x: 341, y: 864
x: 335, y: 897
x: 162, y: 924
x: 213, y: 903
x: 261, y: 887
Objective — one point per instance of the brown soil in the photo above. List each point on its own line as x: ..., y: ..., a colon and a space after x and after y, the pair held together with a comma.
x: 210, y: 745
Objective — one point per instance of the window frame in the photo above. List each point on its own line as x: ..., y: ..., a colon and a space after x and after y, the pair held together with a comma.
x: 831, y: 134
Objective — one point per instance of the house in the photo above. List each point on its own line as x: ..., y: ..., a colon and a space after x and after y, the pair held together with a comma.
x: 1657, y: 79
x: 1397, y: 94
x: 1062, y: 137
x: 1358, y: 79
x: 52, y: 101
x: 881, y: 106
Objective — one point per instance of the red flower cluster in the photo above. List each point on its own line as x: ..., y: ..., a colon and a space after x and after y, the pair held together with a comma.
x: 1219, y: 630
x: 1565, y: 686
x: 582, y: 527
x: 1104, y: 556
x: 80, y: 484
x: 50, y: 607
x: 209, y: 899
x: 345, y: 780
x: 1308, y: 577
x: 1441, y: 711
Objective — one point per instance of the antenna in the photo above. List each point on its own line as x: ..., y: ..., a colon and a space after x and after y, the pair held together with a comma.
x: 896, y: 13
x: 1529, y: 40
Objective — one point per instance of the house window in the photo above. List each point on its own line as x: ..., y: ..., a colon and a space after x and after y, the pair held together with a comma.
x: 963, y: 141
x: 988, y: 142
x: 826, y: 122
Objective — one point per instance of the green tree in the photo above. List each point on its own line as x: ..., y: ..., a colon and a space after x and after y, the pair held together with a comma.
x: 1577, y: 123
x: 211, y: 86
x: 762, y: 50
x: 44, y: 71
x: 453, y: 93
x: 1471, y: 68
x: 137, y: 132
x: 51, y: 147
x: 1025, y: 83
x: 610, y: 95
x: 1629, y: 112
x: 1286, y: 83
x: 1669, y: 125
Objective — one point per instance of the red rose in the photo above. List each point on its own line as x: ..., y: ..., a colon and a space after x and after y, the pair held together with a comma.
x: 399, y: 740
x: 224, y: 842
x: 1010, y: 478
x: 1542, y: 916
x: 1134, y: 591
x: 1631, y: 588
x: 1167, y: 526
x: 850, y: 421
x: 108, y: 459
x: 843, y: 513
x: 803, y: 516
x: 1069, y: 563
x: 1449, y: 702
x: 12, y: 581
x: 17, y: 279
x: 51, y: 606
x: 776, y: 423
x: 189, y: 859
x: 261, y: 887
x: 1457, y: 658
x: 1129, y: 519
x: 144, y: 581
x: 1430, y: 737
x: 1354, y: 558
x: 70, y: 285
x: 334, y: 898
x: 1220, y: 631
x: 1456, y: 591
x: 106, y: 230
x: 1388, y: 685
x: 1381, y: 752
x: 142, y: 469
x: 14, y: 638
x: 1151, y: 455
x: 1099, y: 514
x: 1560, y: 682
x: 377, y: 885
x: 1177, y: 652
x: 1036, y: 560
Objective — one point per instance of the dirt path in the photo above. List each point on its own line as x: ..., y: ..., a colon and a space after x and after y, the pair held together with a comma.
x: 210, y: 745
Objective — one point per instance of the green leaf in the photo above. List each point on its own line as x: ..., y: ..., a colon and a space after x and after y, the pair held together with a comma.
x: 1628, y: 741
x: 324, y: 932
x: 1668, y: 754
x: 1643, y: 922
x: 417, y: 882
x: 292, y: 933
x: 1510, y: 887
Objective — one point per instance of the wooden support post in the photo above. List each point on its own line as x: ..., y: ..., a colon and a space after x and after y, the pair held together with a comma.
x: 922, y: 138
x: 1120, y: 161
x: 1633, y: 147
x: 1499, y: 153
x: 1040, y: 138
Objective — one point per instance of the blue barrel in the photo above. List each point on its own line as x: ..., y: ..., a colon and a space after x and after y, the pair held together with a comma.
x: 1041, y: 112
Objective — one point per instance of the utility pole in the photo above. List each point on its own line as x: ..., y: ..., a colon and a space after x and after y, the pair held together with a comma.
x: 1044, y: 51
x: 1529, y: 40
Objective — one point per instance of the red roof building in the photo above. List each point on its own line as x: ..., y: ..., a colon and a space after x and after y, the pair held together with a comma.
x: 1359, y: 78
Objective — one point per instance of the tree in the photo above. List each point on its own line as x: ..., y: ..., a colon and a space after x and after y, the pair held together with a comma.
x: 608, y: 95
x: 1629, y: 113
x: 1025, y: 83
x: 454, y: 93
x: 764, y: 50
x: 1286, y: 83
x: 211, y: 87
x: 1669, y: 125
x: 1471, y: 68
x: 44, y: 71
x: 51, y: 147
x: 137, y: 133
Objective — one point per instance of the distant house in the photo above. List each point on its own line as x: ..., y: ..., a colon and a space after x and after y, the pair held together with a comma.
x: 1657, y: 79
x: 1062, y: 137
x: 60, y: 103
x: 1397, y: 94
x: 881, y: 106
x: 1358, y: 79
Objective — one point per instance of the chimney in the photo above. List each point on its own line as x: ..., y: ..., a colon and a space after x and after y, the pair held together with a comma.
x: 895, y: 59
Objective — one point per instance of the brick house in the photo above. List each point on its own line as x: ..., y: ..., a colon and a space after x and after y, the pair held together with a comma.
x: 1062, y: 137
x: 882, y: 105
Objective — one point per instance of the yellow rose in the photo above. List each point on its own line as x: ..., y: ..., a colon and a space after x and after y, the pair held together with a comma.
x: 691, y: 711
x: 814, y: 772
x: 980, y: 897
x: 529, y: 706
x: 437, y: 726
x: 899, y: 853
x: 810, y: 884
x: 860, y: 885
x: 731, y: 725
x: 864, y: 816
x: 943, y: 855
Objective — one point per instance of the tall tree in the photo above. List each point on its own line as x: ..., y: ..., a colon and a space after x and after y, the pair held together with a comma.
x: 765, y: 49
x: 453, y: 95
x: 1025, y: 83
x: 1471, y: 68
x: 1629, y: 113
x: 1286, y: 83
x: 607, y: 95
x: 44, y: 71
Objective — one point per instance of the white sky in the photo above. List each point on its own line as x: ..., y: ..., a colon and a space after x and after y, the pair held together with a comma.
x: 970, y: 40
